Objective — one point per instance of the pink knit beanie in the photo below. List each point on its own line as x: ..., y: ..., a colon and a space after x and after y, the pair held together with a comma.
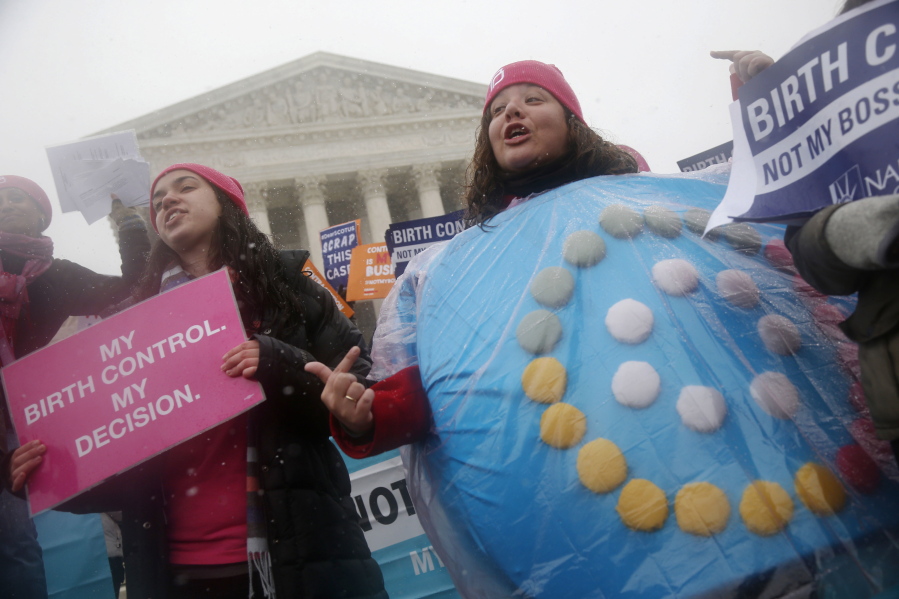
x: 547, y: 76
x: 32, y: 189
x: 228, y: 185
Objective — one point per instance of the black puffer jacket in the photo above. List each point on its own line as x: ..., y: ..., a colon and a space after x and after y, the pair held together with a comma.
x: 318, y: 548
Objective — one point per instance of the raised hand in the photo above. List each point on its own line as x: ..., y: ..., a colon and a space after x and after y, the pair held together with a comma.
x: 747, y: 63
x: 344, y: 396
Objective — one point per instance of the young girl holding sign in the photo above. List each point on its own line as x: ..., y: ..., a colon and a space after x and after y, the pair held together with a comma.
x: 190, y: 526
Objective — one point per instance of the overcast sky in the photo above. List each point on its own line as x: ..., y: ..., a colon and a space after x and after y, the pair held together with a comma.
x: 639, y: 67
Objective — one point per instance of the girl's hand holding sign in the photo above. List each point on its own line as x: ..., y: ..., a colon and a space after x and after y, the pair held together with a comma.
x: 24, y: 461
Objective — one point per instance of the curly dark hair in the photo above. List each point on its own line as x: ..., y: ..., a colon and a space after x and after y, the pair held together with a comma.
x: 240, y: 245
x: 588, y: 155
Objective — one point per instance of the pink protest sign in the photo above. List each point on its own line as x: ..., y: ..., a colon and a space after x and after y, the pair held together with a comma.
x: 129, y: 387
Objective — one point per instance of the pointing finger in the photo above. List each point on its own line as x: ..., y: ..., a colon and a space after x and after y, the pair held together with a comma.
x: 724, y: 54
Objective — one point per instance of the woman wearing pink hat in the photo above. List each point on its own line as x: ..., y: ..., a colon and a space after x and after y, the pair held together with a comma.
x: 261, y: 503
x: 37, y: 293
x: 532, y: 138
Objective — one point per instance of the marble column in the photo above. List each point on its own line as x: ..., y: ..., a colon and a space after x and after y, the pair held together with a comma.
x: 425, y: 176
x: 311, y: 191
x: 377, y: 211
x: 255, y: 194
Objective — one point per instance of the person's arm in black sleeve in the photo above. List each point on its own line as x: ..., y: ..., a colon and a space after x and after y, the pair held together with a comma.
x: 134, y: 245
x: 89, y: 293
x: 329, y: 335
x: 815, y: 259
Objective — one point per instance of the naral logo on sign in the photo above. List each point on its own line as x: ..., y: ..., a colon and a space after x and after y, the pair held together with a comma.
x: 845, y: 187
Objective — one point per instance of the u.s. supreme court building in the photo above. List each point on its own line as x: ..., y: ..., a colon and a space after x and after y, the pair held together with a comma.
x: 327, y: 139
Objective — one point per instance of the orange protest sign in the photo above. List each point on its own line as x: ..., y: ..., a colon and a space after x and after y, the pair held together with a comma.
x: 371, y: 273
x: 313, y: 273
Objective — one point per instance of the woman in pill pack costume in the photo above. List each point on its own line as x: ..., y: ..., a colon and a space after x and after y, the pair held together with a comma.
x: 601, y: 403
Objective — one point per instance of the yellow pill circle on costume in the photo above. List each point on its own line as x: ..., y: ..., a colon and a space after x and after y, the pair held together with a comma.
x: 819, y: 489
x: 601, y: 466
x: 562, y: 426
x: 766, y: 508
x: 544, y: 380
x: 642, y: 505
x: 701, y: 509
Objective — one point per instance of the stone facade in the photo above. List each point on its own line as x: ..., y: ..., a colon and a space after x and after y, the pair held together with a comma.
x: 324, y: 140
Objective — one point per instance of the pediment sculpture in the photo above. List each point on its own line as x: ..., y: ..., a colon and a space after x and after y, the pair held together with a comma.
x: 319, y: 96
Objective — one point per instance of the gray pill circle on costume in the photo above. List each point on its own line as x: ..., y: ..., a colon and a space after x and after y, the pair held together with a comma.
x: 738, y: 288
x: 696, y: 220
x: 629, y: 321
x: 553, y: 286
x: 621, y: 222
x: 539, y: 331
x: 701, y: 409
x: 743, y: 238
x: 584, y: 249
x: 775, y: 394
x: 779, y: 334
x: 675, y: 276
x: 636, y: 385
x: 662, y: 222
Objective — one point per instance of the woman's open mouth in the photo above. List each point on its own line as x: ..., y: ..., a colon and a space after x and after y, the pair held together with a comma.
x: 173, y: 216
x: 516, y: 133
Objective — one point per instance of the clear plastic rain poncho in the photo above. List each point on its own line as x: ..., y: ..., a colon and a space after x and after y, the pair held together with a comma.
x: 623, y: 408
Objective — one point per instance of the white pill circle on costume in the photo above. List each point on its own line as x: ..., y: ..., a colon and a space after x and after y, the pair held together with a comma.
x: 701, y: 409
x: 621, y: 222
x: 629, y: 321
x: 663, y: 222
x: 738, y: 288
x: 539, y: 331
x: 779, y: 334
x: 636, y: 385
x: 553, y: 286
x: 584, y: 249
x: 675, y: 277
x: 775, y: 394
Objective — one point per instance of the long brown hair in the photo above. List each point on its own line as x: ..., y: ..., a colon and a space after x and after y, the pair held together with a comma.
x: 589, y: 155
x: 237, y: 243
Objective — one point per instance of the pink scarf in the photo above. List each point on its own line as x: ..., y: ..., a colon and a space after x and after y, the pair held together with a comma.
x: 38, y: 252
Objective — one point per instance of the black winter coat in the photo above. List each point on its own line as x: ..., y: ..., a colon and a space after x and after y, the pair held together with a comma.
x: 875, y: 323
x: 318, y: 548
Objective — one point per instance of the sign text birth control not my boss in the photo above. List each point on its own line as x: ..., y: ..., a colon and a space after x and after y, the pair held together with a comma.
x: 407, y: 239
x: 129, y: 387
x: 819, y: 127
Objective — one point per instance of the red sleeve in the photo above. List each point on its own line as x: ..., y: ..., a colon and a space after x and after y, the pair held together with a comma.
x: 401, y: 412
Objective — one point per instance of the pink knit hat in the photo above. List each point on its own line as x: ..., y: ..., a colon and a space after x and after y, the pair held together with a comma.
x: 547, y: 76
x: 228, y: 185
x: 32, y: 189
